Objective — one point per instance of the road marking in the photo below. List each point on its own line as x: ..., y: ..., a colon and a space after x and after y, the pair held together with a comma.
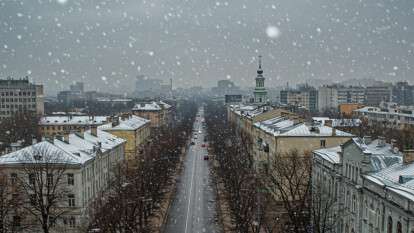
x: 191, y: 189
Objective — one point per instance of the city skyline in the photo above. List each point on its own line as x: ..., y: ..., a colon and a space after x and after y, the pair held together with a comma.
x: 107, y: 44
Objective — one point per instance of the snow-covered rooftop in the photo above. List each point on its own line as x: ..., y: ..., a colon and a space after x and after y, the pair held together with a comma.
x: 381, y: 155
x: 153, y: 106
x: 389, y: 111
x: 338, y: 122
x: 78, y: 150
x: 281, y: 126
x: 130, y: 123
x: 73, y: 120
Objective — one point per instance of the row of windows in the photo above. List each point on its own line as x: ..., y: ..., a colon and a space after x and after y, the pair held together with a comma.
x: 67, y: 221
x: 20, y: 93
x: 60, y: 127
x: 352, y: 172
x: 50, y: 179
x: 18, y: 100
x: 18, y: 106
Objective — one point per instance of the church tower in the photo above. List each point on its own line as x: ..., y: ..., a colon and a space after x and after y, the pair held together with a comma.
x: 260, y: 93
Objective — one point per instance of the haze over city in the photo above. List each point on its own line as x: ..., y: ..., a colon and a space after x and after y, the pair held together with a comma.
x: 106, y: 44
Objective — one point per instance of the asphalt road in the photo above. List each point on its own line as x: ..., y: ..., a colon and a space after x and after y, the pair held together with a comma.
x: 193, y: 208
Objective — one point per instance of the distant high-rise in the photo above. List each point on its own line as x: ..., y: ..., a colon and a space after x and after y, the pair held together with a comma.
x: 19, y: 95
x: 304, y: 96
x: 260, y: 93
x: 78, y: 87
x: 377, y: 93
x: 403, y: 93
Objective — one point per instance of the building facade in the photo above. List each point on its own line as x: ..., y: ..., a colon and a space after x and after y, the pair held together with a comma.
x: 82, y: 162
x: 391, y: 116
x: 371, y: 184
x: 19, y: 96
x: 403, y: 94
x: 303, y: 97
x: 351, y: 94
x: 135, y: 130
x: 327, y: 98
x: 159, y: 113
x: 378, y: 93
x: 54, y: 125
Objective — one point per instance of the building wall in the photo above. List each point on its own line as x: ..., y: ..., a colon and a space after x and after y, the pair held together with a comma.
x: 89, y: 180
x: 134, y: 140
x: 20, y: 96
x: 347, y: 109
x: 156, y: 117
x: 327, y: 98
x: 364, y: 206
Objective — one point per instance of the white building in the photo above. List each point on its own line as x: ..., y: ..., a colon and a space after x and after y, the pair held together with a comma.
x: 372, y: 184
x: 88, y: 159
x: 327, y: 98
x: 392, y: 117
x: 20, y: 95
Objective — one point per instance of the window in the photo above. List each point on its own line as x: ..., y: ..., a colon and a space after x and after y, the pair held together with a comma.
x: 71, y: 200
x: 13, y: 178
x: 33, y: 199
x: 399, y: 227
x: 49, y: 180
x: 17, y: 221
x: 72, y: 222
x: 32, y: 179
x: 389, y: 227
x: 71, y: 179
x: 323, y: 142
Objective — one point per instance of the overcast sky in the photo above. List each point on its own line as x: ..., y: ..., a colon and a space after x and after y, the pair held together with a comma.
x: 107, y: 44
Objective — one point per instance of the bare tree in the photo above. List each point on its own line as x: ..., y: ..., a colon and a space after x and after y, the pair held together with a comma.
x: 43, y: 182
x: 10, y: 204
x: 234, y: 169
x: 289, y: 181
x: 325, y: 208
x: 136, y: 192
x: 21, y: 126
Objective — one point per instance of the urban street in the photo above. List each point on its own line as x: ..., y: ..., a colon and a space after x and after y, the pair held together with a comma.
x: 193, y: 209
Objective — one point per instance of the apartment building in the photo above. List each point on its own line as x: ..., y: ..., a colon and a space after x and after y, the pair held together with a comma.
x: 351, y: 94
x: 371, y: 184
x: 327, y: 98
x: 403, y: 94
x: 135, y: 130
x: 20, y: 95
x: 281, y: 135
x: 303, y: 97
x: 376, y: 94
x: 243, y: 117
x: 397, y: 117
x: 54, y: 125
x: 159, y: 113
x: 81, y: 165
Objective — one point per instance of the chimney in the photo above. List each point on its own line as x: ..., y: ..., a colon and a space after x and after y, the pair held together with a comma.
x: 34, y: 141
x: 94, y: 130
x: 381, y: 141
x: 333, y: 131
x: 408, y: 156
x: 81, y: 132
x: 328, y: 123
x: 393, y: 144
x: 109, y: 119
x: 66, y: 137
x: 115, y: 121
x: 367, y: 140
x: 51, y: 139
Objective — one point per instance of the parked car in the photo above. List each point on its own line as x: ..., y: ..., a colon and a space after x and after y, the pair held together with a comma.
x: 205, y: 157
